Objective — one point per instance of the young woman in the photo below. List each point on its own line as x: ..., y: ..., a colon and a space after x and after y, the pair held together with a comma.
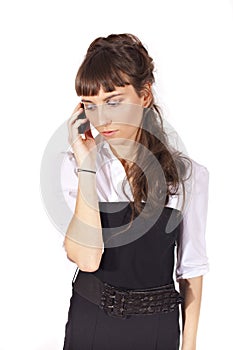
x: 138, y: 201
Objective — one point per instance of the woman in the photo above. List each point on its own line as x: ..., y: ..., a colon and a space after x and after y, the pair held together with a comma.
x: 127, y: 219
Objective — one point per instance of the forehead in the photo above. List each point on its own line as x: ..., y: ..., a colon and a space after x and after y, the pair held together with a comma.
x: 124, y: 90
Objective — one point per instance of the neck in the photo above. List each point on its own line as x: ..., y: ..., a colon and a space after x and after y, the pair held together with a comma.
x: 125, y: 148
x: 126, y: 151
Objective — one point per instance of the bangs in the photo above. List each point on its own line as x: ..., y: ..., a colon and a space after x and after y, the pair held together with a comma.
x: 101, y: 70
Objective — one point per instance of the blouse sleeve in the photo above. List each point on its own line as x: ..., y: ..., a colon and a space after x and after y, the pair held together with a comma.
x: 69, y: 180
x: 192, y: 260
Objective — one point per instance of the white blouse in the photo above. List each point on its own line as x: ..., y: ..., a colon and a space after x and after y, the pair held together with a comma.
x: 191, y: 258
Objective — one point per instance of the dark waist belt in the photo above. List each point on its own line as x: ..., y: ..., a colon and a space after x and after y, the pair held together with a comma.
x: 121, y: 302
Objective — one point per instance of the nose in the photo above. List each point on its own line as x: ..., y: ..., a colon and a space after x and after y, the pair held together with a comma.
x: 107, y: 122
x: 103, y: 118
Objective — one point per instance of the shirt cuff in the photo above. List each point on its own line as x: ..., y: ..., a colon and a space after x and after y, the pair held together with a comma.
x: 194, y: 272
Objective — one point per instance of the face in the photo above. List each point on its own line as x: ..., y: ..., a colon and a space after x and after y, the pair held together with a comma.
x: 117, y: 114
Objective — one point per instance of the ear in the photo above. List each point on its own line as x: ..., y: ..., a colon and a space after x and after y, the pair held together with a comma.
x: 147, y: 95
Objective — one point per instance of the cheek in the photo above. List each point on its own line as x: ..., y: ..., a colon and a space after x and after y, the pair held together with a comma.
x: 126, y: 116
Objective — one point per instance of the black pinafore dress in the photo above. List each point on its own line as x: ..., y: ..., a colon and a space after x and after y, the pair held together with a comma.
x: 145, y: 262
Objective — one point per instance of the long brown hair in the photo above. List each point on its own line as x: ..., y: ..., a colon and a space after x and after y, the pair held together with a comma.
x: 120, y: 60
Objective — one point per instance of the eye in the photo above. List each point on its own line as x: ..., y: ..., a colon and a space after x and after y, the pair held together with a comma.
x: 113, y: 103
x: 90, y: 107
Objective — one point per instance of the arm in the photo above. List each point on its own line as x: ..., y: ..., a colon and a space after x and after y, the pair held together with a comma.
x: 191, y: 290
x: 83, y: 241
x: 192, y: 260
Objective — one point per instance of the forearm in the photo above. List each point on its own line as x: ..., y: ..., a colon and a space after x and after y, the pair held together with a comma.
x: 191, y: 290
x: 83, y: 242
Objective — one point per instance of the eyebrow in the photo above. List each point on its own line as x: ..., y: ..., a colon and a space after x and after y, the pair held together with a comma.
x: 107, y: 98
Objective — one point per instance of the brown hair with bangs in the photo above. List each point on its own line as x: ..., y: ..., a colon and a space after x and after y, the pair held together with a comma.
x: 116, y: 61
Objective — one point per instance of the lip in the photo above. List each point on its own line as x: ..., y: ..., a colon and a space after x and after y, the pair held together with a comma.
x: 109, y: 133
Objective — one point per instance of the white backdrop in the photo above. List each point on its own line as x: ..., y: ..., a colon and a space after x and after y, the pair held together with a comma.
x: 42, y: 45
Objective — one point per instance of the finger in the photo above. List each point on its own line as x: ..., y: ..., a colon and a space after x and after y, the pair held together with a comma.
x: 78, y: 110
x: 73, y: 120
x: 74, y: 128
x: 73, y: 133
x: 78, y: 122
x: 73, y: 123
x: 74, y: 116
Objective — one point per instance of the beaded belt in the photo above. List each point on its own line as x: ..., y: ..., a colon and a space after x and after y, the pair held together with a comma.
x: 121, y: 302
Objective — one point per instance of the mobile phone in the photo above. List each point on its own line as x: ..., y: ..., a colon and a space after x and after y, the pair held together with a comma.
x: 86, y: 126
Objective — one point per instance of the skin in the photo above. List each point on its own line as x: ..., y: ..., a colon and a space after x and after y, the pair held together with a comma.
x: 125, y: 119
x: 83, y: 240
x: 79, y: 248
x: 191, y: 289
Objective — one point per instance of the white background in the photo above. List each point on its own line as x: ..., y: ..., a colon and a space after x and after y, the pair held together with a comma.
x: 42, y: 46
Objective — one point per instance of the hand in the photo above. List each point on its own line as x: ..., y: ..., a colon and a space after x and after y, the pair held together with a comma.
x: 84, y: 149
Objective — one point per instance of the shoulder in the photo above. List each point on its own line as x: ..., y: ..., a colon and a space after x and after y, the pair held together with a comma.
x: 195, y: 184
x: 196, y: 195
x: 199, y: 168
x: 199, y: 178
